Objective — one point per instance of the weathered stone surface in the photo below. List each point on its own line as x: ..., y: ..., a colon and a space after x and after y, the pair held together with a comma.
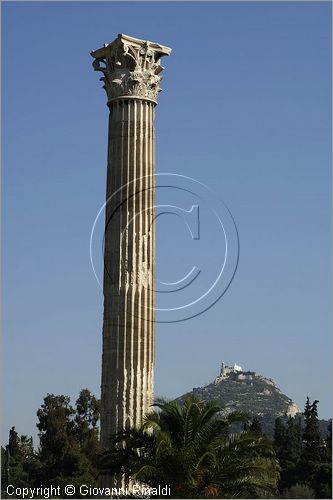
x: 131, y: 67
x: 131, y: 79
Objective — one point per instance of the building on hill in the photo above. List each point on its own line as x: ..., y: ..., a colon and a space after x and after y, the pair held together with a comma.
x: 236, y: 372
x: 247, y: 391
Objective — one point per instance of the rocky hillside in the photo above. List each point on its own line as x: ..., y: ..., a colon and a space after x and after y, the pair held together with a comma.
x: 249, y: 392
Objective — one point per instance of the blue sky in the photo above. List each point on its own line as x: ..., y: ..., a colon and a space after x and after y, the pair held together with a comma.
x: 245, y: 109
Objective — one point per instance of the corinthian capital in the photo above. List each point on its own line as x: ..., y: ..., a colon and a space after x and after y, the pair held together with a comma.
x: 130, y: 67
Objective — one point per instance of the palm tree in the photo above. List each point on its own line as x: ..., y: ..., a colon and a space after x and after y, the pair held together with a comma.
x: 191, y: 449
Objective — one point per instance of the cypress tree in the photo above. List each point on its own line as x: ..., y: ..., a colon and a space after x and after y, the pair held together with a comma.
x: 313, y: 446
x: 288, y: 448
x: 315, y: 470
x: 255, y: 426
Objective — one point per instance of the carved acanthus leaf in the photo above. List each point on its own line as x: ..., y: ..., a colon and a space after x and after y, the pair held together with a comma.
x: 130, y: 67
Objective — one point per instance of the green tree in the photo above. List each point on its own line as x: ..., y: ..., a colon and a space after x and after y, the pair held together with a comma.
x: 69, y: 445
x: 315, y: 467
x: 313, y: 450
x: 56, y: 436
x: 303, y: 454
x: 292, y: 452
x: 255, y: 426
x: 61, y: 452
x: 313, y: 444
x: 23, y: 467
x: 279, y: 436
x: 13, y: 444
x: 5, y: 466
x: 86, y: 419
x: 190, y: 449
x: 328, y: 443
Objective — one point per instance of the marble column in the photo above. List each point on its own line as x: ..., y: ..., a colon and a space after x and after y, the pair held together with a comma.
x: 131, y: 74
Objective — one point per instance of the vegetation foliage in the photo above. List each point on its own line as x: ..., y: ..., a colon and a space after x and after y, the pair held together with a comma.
x: 68, y: 449
x: 191, y: 450
x: 192, y: 447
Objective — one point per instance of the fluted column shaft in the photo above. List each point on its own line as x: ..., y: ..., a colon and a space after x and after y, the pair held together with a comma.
x: 129, y: 274
x: 131, y: 74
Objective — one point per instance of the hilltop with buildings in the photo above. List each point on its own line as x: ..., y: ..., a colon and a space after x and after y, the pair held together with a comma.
x: 247, y: 391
